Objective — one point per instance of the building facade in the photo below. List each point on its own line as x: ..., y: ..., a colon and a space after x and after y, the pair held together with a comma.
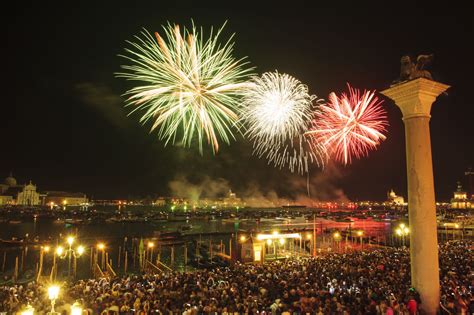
x: 394, y: 199
x: 14, y: 194
x: 64, y: 198
x: 28, y: 196
x: 460, y: 199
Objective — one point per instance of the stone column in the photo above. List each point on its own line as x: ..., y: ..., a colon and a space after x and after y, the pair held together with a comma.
x: 415, y: 99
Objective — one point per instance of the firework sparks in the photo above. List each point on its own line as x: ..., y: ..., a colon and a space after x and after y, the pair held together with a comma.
x: 350, y: 125
x: 191, y: 85
x: 277, y: 111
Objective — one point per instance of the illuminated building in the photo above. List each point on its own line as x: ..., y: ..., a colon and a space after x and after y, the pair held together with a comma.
x: 24, y: 195
x: 28, y: 196
x: 460, y: 200
x: 65, y: 198
x: 394, y: 199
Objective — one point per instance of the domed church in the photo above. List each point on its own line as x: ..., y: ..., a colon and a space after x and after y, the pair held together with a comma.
x: 12, y: 193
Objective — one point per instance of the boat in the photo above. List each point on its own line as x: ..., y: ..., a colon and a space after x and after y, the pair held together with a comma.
x: 231, y: 220
x: 185, y: 227
x: 11, y: 243
x: 162, y: 235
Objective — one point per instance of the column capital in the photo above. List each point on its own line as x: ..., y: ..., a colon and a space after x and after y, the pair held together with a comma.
x: 415, y: 97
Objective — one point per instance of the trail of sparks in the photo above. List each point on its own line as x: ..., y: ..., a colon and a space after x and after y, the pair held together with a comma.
x: 189, y: 86
x: 350, y: 125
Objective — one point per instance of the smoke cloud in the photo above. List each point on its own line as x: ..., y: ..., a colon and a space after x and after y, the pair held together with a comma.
x: 322, y: 187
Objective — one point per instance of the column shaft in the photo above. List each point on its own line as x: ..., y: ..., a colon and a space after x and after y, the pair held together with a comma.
x: 422, y: 212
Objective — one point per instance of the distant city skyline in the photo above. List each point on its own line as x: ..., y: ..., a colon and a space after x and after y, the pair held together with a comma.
x: 202, y: 194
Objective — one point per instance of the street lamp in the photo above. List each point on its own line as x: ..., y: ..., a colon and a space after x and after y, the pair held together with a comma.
x: 360, y: 234
x: 243, y: 238
x: 70, y: 240
x: 402, y: 231
x: 76, y: 308
x: 101, y: 247
x: 456, y: 226
x: 59, y: 250
x: 70, y: 253
x: 28, y: 310
x: 269, y: 243
x: 337, y: 238
x: 151, y: 245
x: 53, y: 293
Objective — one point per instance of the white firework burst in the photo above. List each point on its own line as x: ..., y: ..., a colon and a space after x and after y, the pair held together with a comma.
x: 277, y: 111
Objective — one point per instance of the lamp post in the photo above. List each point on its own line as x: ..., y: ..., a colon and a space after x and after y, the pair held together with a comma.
x: 53, y: 293
x: 28, y: 310
x: 269, y: 243
x: 70, y: 253
x: 101, y: 247
x: 402, y: 231
x: 70, y: 240
x: 151, y: 245
x: 337, y: 238
x: 398, y: 231
x: 456, y: 226
x: 310, y: 239
x: 282, y: 242
x: 76, y: 308
x: 360, y: 234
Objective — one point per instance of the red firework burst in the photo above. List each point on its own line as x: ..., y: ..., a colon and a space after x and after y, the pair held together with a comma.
x: 350, y: 125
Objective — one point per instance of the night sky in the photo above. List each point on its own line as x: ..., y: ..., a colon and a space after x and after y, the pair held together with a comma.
x: 63, y: 124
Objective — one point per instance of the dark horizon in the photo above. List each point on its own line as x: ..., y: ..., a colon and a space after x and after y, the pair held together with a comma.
x: 65, y: 127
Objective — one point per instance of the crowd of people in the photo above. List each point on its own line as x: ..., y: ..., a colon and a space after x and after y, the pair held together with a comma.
x: 362, y: 282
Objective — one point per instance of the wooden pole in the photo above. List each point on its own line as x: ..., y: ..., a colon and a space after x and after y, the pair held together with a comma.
x: 91, y: 259
x: 119, y: 255
x: 15, y: 272
x: 134, y: 256
x: 125, y: 262
x: 185, y: 256
x: 172, y: 255
x: 301, y: 242
x: 54, y: 266
x: 197, y: 253
x: 74, y: 267
x: 40, y: 267
x: 4, y: 260
x: 210, y: 248
x: 314, y: 235
x: 22, y: 259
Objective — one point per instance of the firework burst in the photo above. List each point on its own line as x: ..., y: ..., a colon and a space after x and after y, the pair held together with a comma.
x: 350, y: 125
x: 277, y: 109
x: 190, y: 86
